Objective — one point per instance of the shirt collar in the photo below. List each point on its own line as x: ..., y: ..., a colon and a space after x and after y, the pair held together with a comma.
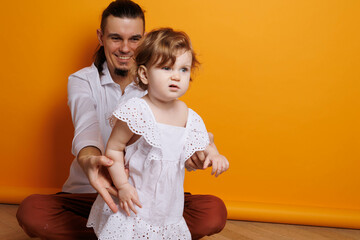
x: 106, y: 77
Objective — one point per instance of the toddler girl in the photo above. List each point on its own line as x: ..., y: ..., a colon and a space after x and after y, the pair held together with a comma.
x: 153, y: 136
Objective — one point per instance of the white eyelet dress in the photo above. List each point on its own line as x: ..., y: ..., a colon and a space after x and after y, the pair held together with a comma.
x: 156, y: 167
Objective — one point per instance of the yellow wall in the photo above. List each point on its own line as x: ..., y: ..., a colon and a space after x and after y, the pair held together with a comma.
x: 279, y: 87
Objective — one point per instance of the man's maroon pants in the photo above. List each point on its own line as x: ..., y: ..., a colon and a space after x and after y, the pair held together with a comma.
x: 64, y: 215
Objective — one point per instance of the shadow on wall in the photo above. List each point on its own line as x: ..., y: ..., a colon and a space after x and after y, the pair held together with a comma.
x: 60, y: 139
x: 62, y: 130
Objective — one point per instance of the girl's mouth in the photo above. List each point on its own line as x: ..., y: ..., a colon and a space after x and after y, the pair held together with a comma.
x: 173, y: 86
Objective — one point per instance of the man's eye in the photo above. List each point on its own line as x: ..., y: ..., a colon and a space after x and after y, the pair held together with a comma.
x: 115, y: 38
x: 135, y: 39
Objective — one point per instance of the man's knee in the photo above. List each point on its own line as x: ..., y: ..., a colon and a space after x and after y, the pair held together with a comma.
x: 217, y: 215
x: 29, y: 215
x: 204, y: 214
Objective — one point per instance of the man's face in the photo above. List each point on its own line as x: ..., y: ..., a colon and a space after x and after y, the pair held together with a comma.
x: 120, y: 38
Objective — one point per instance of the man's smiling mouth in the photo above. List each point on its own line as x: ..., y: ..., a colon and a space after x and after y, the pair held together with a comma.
x: 123, y: 57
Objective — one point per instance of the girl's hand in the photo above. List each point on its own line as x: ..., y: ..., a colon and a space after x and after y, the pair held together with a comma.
x: 219, y: 162
x: 128, y: 197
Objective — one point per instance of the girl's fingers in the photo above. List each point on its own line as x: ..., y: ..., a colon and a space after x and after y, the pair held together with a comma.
x: 206, y: 163
x: 222, y: 167
x: 214, y: 167
x: 126, y: 208
x: 137, y: 202
x: 227, y: 164
x: 131, y: 206
x: 219, y: 170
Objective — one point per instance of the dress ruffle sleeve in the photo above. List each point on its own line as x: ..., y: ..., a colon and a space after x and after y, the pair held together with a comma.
x: 138, y: 118
x: 140, y: 121
x: 197, y: 138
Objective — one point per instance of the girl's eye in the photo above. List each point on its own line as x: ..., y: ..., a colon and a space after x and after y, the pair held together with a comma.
x: 184, y: 69
x: 166, y: 68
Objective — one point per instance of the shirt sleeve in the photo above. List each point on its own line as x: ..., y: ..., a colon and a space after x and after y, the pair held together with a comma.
x: 85, y: 119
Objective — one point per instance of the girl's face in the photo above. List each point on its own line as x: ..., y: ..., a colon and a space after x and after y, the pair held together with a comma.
x: 168, y: 83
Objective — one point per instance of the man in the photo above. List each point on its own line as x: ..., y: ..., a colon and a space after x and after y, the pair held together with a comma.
x: 93, y: 94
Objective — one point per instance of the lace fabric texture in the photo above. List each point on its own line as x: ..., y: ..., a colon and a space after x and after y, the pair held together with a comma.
x: 140, y: 121
x: 137, y: 114
x: 197, y: 138
x: 118, y: 226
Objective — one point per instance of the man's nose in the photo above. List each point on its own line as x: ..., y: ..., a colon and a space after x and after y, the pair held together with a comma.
x: 124, y: 48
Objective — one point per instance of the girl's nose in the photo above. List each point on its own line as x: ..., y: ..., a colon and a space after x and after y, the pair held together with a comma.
x: 175, y: 76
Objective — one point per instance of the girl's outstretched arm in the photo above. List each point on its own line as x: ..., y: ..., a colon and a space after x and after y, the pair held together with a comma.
x: 201, y: 159
x: 115, y: 150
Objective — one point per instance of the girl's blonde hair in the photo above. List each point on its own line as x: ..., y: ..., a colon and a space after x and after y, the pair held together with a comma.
x: 160, y: 47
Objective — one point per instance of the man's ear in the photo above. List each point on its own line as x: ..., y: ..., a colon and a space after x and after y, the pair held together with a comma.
x: 143, y: 75
x: 100, y: 35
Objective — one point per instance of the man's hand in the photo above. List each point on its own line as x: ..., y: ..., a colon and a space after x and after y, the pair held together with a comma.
x: 94, y: 166
x: 196, y: 161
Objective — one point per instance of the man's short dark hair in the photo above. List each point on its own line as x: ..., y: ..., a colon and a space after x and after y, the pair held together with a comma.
x: 121, y: 9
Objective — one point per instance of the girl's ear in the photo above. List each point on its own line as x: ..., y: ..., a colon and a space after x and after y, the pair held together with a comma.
x: 142, y: 73
x: 99, y: 35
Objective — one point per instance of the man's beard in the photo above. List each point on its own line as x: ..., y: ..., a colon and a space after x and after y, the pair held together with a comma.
x: 121, y: 72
